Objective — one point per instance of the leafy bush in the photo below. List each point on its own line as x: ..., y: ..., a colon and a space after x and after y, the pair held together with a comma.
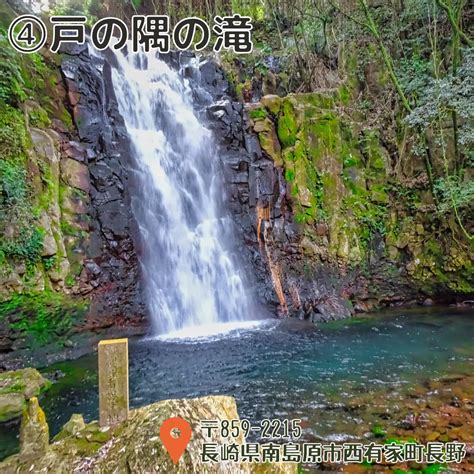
x: 21, y: 238
x: 454, y: 193
x: 12, y: 132
x: 442, y: 96
x: 11, y: 81
x: 26, y: 246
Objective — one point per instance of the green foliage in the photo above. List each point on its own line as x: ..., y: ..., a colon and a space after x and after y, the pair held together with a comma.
x: 11, y: 81
x: 371, y: 217
x: 44, y: 316
x: 440, y: 97
x: 414, y: 74
x: 435, y: 469
x: 289, y: 175
x: 13, y: 139
x: 404, y: 196
x: 39, y: 118
x: 258, y: 114
x: 26, y: 246
x: 49, y: 262
x: 13, y: 186
x: 378, y: 431
x: 255, y: 10
x: 453, y: 192
x: 21, y: 238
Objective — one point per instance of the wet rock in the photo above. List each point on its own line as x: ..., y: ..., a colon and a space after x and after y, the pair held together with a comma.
x: 213, y: 78
x: 333, y: 308
x: 98, y: 163
x: 75, y: 151
x: 16, y: 387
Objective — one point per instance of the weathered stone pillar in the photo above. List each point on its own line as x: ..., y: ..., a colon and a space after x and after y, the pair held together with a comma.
x: 34, y: 431
x: 113, y: 381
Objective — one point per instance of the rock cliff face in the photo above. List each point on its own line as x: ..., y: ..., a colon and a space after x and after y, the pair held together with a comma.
x: 259, y: 195
x: 67, y: 254
x: 103, y: 159
x: 329, y: 220
x: 325, y: 221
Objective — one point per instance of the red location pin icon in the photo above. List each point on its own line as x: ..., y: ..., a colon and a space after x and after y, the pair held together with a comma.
x: 175, y: 446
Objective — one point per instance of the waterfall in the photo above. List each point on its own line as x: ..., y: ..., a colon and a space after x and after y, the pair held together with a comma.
x: 189, y: 276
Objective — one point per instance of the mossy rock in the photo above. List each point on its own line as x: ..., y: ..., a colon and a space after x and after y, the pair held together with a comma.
x: 16, y: 387
x: 287, y: 126
x: 272, y: 103
x: 135, y: 445
x: 268, y: 139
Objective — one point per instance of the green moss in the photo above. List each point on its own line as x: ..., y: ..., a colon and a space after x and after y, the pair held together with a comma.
x: 324, y: 134
x: 317, y: 101
x: 378, y: 431
x: 69, y: 229
x: 273, y: 104
x: 19, y: 381
x: 289, y: 175
x: 258, y: 114
x: 287, y: 126
x: 45, y: 316
x: 372, y: 149
x: 39, y: 118
x: 344, y: 94
x: 22, y: 239
x: 241, y: 88
x: 85, y: 447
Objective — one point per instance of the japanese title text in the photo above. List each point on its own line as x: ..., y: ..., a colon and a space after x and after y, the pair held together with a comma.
x: 28, y: 33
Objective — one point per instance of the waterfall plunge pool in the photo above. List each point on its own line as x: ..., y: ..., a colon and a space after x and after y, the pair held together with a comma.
x: 341, y: 379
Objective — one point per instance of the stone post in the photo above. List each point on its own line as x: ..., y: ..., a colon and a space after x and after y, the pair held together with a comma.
x: 34, y: 431
x: 113, y: 381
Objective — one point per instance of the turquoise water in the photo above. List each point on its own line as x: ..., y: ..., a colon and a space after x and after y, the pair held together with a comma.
x: 285, y: 369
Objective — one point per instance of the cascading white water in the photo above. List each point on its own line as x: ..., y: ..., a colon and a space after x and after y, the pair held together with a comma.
x: 189, y: 276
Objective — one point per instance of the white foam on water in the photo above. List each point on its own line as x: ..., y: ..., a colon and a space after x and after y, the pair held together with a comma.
x: 212, y: 332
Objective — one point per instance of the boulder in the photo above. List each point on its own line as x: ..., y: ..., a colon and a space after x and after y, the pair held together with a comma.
x: 75, y: 425
x: 16, y: 387
x: 11, y: 405
x: 334, y: 308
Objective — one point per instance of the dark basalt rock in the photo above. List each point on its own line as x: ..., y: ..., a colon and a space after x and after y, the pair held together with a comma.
x: 112, y: 267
